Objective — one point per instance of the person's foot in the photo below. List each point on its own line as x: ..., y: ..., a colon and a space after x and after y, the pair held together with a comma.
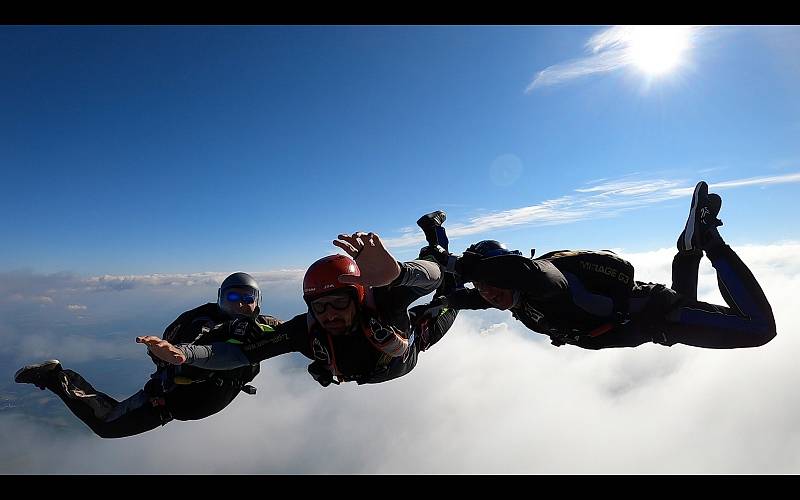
x: 431, y: 225
x: 38, y: 375
x: 702, y: 221
x: 433, y: 219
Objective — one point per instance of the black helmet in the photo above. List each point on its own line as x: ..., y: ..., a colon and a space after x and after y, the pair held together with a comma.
x: 239, y: 280
x: 491, y: 248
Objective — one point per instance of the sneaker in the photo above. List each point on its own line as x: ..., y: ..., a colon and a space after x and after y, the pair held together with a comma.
x: 431, y: 225
x: 38, y: 375
x: 702, y: 218
x: 433, y: 219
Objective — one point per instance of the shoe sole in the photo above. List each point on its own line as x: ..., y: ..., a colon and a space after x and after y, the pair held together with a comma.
x: 53, y: 363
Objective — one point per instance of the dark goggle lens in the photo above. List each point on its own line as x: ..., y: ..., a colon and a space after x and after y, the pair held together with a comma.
x: 247, y: 298
x: 339, y: 303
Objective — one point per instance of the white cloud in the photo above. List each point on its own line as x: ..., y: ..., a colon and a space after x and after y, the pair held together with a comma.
x: 612, y: 49
x: 492, y: 397
x: 607, y: 198
x: 124, y: 282
x: 760, y: 181
x: 597, y: 63
x: 22, y: 286
x: 76, y: 318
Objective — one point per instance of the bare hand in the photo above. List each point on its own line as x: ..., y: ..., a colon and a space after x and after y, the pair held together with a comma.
x: 377, y: 265
x: 162, y: 349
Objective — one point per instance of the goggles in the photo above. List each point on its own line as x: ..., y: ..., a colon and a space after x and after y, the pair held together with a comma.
x: 247, y: 298
x: 338, y: 302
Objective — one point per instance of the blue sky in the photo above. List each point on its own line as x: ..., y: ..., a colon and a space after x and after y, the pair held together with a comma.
x: 140, y: 165
x: 136, y: 150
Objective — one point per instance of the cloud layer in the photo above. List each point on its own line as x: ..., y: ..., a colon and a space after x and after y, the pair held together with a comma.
x: 77, y: 318
x: 491, y: 397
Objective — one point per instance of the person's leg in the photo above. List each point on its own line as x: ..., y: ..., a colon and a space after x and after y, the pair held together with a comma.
x: 748, y: 320
x: 671, y: 316
x: 431, y: 225
x: 107, y: 417
x: 685, y: 266
x: 661, y: 315
x: 435, y: 234
x: 703, y: 214
x: 431, y: 321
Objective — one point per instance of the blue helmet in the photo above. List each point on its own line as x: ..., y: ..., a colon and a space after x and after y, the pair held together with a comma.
x: 491, y: 248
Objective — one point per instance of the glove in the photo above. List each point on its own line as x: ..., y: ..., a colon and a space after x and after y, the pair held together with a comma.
x: 465, y: 265
x: 319, y: 371
x: 242, y: 329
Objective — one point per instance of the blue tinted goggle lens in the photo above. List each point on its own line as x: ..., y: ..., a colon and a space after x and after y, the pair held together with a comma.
x: 247, y: 298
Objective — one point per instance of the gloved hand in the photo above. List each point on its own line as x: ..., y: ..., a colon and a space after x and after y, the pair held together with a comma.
x: 319, y: 371
x: 465, y: 265
x: 240, y: 328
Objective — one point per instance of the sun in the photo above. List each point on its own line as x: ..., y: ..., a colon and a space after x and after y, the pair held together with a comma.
x: 657, y: 50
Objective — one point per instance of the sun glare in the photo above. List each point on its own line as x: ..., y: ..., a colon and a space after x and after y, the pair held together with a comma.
x: 657, y: 50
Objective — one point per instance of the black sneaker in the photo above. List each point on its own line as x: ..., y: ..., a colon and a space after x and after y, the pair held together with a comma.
x: 38, y: 375
x: 702, y: 219
x: 433, y: 219
x: 431, y: 225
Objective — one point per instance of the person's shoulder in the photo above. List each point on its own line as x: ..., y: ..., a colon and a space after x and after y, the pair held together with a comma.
x: 208, y: 309
x: 301, y: 318
x: 299, y: 322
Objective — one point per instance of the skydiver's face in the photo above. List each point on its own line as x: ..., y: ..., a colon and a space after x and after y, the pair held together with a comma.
x: 240, y: 300
x: 335, y: 312
x: 497, y: 297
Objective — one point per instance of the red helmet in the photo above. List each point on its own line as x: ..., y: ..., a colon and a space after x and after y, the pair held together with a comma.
x: 323, y: 277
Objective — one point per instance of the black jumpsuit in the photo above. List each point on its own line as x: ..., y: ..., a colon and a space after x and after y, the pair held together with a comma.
x: 161, y: 400
x: 556, y: 304
x: 356, y: 358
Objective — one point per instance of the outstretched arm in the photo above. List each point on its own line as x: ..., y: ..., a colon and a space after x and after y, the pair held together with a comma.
x: 162, y: 349
x: 513, y: 272
x: 215, y: 356
x: 290, y: 336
